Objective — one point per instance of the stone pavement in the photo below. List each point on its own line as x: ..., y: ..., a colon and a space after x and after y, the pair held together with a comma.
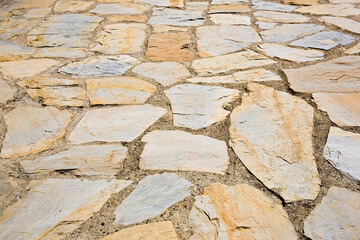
x: 180, y: 119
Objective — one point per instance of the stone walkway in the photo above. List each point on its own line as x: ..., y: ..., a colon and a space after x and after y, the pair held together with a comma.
x: 180, y: 119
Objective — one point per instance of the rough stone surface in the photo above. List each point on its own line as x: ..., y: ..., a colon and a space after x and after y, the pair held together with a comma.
x: 266, y: 25
x: 6, y: 92
x: 271, y: 6
x: 61, y: 52
x: 344, y: 23
x: 12, y: 27
x: 33, y: 4
x: 230, y: 19
x: 165, y: 3
x: 176, y: 17
x: 37, y: 12
x: 238, y: 8
x: 340, y: 10
x: 11, y: 51
x: 282, y: 158
x: 354, y: 50
x: 201, y: 6
x: 152, y: 196
x: 7, y: 186
x: 301, y: 2
x: 280, y: 17
x: 26, y: 68
x: 126, y: 8
x: 72, y: 5
x: 288, y: 32
x: 178, y: 150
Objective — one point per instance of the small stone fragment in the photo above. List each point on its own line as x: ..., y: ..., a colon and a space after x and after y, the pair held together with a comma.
x: 6, y: 92
x: 151, y: 197
x: 178, y: 150
x: 340, y: 10
x: 354, y: 50
x: 165, y: 3
x: 72, y: 5
x: 280, y: 17
x: 344, y: 23
x: 26, y: 68
x: 61, y: 52
x: 230, y: 19
x: 176, y: 17
x: 270, y: 6
x: 229, y: 9
x: 37, y: 13
x: 11, y: 51
x: 124, y: 8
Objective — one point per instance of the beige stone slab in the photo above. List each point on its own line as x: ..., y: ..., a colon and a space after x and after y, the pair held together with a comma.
x: 11, y: 27
x: 176, y: 17
x: 37, y: 12
x: 340, y: 10
x: 55, y: 207
x: 72, y: 5
x: 7, y: 186
x: 201, y: 6
x: 164, y: 3
x: 271, y: 132
x: 33, y: 129
x: 344, y: 23
x: 233, y: 8
x: 288, y: 32
x: 126, y: 8
x: 59, y: 96
x: 217, y: 2
x: 301, y: 2
x: 238, y: 212
x: 280, y: 17
x: 41, y: 82
x: 344, y: 1
x: 6, y: 92
x: 119, y: 90
x: 230, y: 19
x: 61, y: 52
x: 167, y: 28
x: 33, y: 4
x: 128, y: 18
x: 353, y: 50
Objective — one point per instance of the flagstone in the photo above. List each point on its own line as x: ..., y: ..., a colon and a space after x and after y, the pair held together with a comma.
x: 238, y: 212
x: 344, y: 1
x: 60, y: 52
x: 100, y: 66
x: 176, y: 17
x: 229, y: 9
x: 221, y: 64
x: 55, y: 207
x: 118, y: 90
x: 178, y: 150
x: 288, y: 32
x: 165, y: 3
x: 33, y: 4
x: 271, y: 132
x: 265, y: 25
x: 228, y: 1
x: 219, y: 40
x: 201, y: 6
x: 151, y: 197
x: 126, y: 8
x: 324, y: 40
x: 301, y: 2
x: 271, y: 6
x: 7, y: 186
x: 165, y: 73
x: 10, y: 27
x: 11, y: 51
x: 37, y: 12
x: 6, y: 92
x: 291, y: 54
x: 72, y: 5
x: 230, y: 19
x: 127, y: 18
x: 195, y: 106
x: 115, y: 124
x: 165, y: 28
x: 344, y: 23
x: 340, y: 10
x: 280, y: 17
x: 330, y: 221
x: 33, y: 129
x: 353, y: 50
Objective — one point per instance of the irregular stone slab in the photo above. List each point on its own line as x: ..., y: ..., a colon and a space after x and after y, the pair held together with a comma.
x: 100, y: 66
x: 165, y: 3
x: 229, y: 9
x: 228, y: 1
x: 33, y: 129
x: 165, y: 28
x: 158, y: 230
x: 61, y: 52
x: 238, y: 212
x: 301, y: 2
x: 324, y: 40
x: 291, y: 54
x: 221, y: 64
x: 201, y: 6
x: 257, y: 75
x: 128, y: 18
x: 11, y: 51
x: 288, y: 32
x: 115, y: 124
x: 7, y: 186
x: 270, y: 6
x: 87, y: 160
x: 230, y: 19
x: 6, y: 92
x: 340, y: 10
x: 41, y: 82
x: 178, y: 150
x: 26, y: 68
x: 219, y: 40
x: 165, y: 73
x: 344, y: 23
x: 72, y: 6
x: 282, y: 157
x: 171, y: 46
x: 119, y: 90
x: 37, y: 12
x: 266, y: 25
x: 67, y: 30
x: 125, y: 8
x: 151, y: 197
x: 33, y: 4
x: 328, y: 221
x: 269, y: 16
x: 195, y: 106
x: 10, y: 27
x: 337, y: 75
x: 121, y: 38
x: 344, y: 1
x: 343, y: 108
x: 354, y: 50
x: 55, y: 207
x: 176, y: 17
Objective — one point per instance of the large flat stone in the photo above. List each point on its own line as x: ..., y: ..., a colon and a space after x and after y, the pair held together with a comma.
x: 178, y: 150
x: 195, y: 106
x: 11, y: 51
x: 125, y: 8
x: 238, y: 212
x: 288, y: 32
x: 56, y: 207
x: 151, y: 197
x: 230, y: 19
x: 115, y: 124
x: 271, y: 132
x: 176, y: 17
x: 11, y: 26
x: 6, y: 92
x: 165, y: 3
x: 280, y: 17
x: 72, y: 5
x: 271, y: 6
x: 344, y: 23
x: 340, y: 10
x: 330, y: 221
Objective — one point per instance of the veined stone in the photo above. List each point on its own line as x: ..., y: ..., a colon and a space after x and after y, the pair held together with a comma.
x: 125, y: 8
x: 61, y: 52
x: 67, y: 30
x: 87, y: 160
x: 158, y: 230
x: 37, y: 13
x: 176, y: 17
x: 115, y: 124
x: 100, y: 66
x: 219, y: 40
x: 26, y: 68
x: 228, y: 1
x: 6, y: 92
x: 291, y: 54
x: 288, y: 32
x: 221, y: 64
x: 121, y: 38
x: 178, y: 150
x: 341, y: 151
x: 266, y: 25
x: 72, y: 5
x: 271, y: 132
x: 165, y: 3
x: 165, y: 28
x: 343, y: 108
x: 11, y: 51
x: 55, y: 207
x: 270, y: 6
x: 33, y: 4
x: 41, y: 82
x: 229, y: 9
x: 354, y: 50
x: 301, y: 2
x: 10, y: 27
x: 128, y: 18
x: 165, y: 73
x: 280, y: 17
x: 256, y: 75
x: 329, y: 221
x: 195, y: 106
x: 344, y: 23
x: 238, y: 212
x: 119, y: 90
x: 7, y: 186
x: 201, y: 6
x: 324, y: 40
x: 151, y: 197
x: 340, y: 10
x: 337, y: 75
x: 230, y: 19
x: 33, y: 129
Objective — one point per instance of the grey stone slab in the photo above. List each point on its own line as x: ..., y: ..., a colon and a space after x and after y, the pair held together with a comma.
x: 176, y: 17
x: 271, y: 6
x: 288, y: 32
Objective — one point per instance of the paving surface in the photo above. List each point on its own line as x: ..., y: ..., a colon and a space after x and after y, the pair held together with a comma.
x: 180, y: 119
